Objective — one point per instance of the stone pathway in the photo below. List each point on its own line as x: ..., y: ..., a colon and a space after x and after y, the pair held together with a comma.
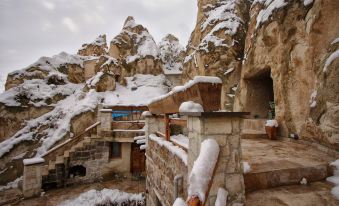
x: 315, y: 194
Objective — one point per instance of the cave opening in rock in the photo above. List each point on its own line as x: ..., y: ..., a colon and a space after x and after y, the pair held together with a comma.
x: 260, y: 96
x: 77, y: 171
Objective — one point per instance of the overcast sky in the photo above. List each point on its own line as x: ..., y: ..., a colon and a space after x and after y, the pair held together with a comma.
x: 30, y: 29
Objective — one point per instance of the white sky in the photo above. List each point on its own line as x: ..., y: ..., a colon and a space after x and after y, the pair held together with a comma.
x: 30, y: 29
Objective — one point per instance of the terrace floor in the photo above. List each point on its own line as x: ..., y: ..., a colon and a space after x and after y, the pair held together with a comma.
x: 278, y: 166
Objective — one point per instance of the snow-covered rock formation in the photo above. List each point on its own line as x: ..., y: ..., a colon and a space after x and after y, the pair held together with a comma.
x: 171, y: 53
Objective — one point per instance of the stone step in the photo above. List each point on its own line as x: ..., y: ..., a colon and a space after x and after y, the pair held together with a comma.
x: 93, y: 136
x: 275, y: 163
x: 252, y: 134
x: 87, y: 140
x: 317, y: 193
x: 288, y: 174
x: 51, y: 165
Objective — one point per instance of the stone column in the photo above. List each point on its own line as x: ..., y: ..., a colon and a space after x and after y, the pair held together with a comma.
x: 32, y: 177
x: 225, y: 129
x: 105, y: 117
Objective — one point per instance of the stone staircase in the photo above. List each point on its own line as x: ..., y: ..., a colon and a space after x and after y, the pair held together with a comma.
x: 284, y: 163
x: 56, y: 171
x: 253, y: 128
x: 230, y: 98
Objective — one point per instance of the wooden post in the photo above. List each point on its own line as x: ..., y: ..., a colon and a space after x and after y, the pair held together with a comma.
x: 167, y: 127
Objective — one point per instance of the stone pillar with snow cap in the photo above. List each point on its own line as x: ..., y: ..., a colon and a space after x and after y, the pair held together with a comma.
x: 105, y: 117
x: 224, y: 128
x: 32, y: 177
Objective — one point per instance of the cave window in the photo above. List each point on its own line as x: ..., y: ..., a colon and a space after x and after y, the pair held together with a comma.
x: 260, y: 98
x: 77, y: 171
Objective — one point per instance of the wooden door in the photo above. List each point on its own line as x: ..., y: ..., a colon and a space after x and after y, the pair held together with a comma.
x: 137, y: 159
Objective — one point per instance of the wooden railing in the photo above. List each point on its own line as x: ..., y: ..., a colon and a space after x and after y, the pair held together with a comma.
x: 59, y: 149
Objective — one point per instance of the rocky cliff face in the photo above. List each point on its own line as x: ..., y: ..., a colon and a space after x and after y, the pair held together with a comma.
x: 290, y: 43
x: 171, y: 53
x: 217, y: 43
x: 272, y: 55
x: 136, y: 49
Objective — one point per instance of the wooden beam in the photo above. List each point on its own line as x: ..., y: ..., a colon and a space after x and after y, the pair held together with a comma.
x: 167, y: 127
x: 180, y: 122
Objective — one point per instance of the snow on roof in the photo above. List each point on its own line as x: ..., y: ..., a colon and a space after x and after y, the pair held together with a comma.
x: 190, y: 106
x: 196, y: 79
x: 147, y: 87
x: 33, y: 161
x: 104, y: 197
x: 203, y: 168
x: 270, y: 7
x: 171, y: 147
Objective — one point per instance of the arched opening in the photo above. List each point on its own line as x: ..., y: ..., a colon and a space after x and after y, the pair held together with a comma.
x: 77, y: 171
x: 260, y: 95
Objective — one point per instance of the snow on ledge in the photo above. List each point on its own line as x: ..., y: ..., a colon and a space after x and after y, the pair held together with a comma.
x: 190, y: 106
x: 33, y: 161
x: 221, y: 197
x: 203, y: 168
x: 335, y: 179
x: 171, y: 147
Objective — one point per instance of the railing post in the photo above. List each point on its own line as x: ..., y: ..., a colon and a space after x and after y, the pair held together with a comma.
x: 167, y: 127
x: 229, y: 170
x: 105, y: 117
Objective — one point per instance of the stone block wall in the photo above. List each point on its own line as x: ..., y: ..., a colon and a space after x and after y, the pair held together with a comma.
x: 93, y: 157
x: 161, y: 168
x: 229, y: 170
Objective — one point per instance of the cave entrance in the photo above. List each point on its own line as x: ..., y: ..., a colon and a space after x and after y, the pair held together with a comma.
x: 260, y: 96
x: 77, y: 171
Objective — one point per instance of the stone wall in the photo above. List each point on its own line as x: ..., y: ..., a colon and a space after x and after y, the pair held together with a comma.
x: 93, y: 157
x: 229, y: 170
x: 161, y: 168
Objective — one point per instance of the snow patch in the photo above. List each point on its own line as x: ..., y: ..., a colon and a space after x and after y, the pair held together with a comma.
x: 190, y: 106
x: 221, y: 197
x: 181, y: 140
x: 330, y: 59
x: 203, y: 168
x: 179, y: 202
x: 313, y: 102
x: 335, y: 179
x: 247, y: 167
x: 33, y: 161
x: 172, y: 148
x: 104, y: 197
x: 11, y: 185
x: 270, y: 7
x: 272, y: 123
